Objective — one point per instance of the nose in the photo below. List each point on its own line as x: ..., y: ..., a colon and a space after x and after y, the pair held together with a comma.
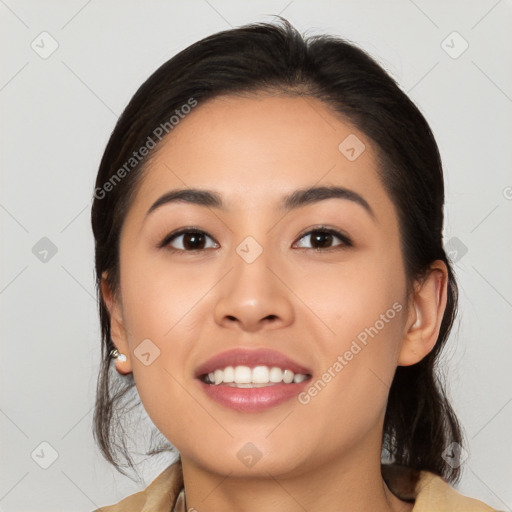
x: 254, y: 296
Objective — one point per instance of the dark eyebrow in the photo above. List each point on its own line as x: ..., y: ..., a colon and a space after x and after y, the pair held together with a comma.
x: 294, y: 200
x: 306, y: 196
x: 189, y: 195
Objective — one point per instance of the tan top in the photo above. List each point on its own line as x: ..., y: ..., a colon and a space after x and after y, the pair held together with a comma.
x: 429, y: 492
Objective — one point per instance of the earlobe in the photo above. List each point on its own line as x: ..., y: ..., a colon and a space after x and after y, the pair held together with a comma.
x: 117, y: 328
x: 428, y: 305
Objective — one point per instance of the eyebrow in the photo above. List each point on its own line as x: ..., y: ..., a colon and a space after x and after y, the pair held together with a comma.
x: 296, y: 199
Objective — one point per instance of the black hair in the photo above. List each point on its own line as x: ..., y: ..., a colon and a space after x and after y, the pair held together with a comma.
x: 274, y: 57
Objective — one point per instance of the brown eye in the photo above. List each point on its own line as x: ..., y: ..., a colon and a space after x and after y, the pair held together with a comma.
x: 324, y: 238
x: 187, y: 241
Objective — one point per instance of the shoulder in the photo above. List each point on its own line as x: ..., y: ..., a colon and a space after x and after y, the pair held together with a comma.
x: 434, y: 493
x: 428, y: 491
x: 159, y: 496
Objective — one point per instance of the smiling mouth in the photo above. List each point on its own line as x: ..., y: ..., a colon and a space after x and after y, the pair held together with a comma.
x: 252, y: 377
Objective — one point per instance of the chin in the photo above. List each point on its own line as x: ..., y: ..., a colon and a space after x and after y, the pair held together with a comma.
x: 250, y: 459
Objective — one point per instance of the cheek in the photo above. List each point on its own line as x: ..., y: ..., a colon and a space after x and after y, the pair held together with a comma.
x: 158, y: 297
x: 161, y: 303
x: 362, y: 308
x: 353, y: 295
x: 348, y: 397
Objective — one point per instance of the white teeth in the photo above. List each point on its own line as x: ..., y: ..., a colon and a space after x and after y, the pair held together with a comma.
x: 288, y: 376
x: 218, y: 375
x: 229, y: 374
x: 242, y: 375
x: 276, y: 374
x: 259, y: 376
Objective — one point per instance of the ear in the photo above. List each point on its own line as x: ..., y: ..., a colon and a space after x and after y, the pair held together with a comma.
x: 426, y: 312
x: 117, y: 327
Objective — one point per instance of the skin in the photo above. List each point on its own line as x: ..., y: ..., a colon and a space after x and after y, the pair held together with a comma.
x: 254, y: 150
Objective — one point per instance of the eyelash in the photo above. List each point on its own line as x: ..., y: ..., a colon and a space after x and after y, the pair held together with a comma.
x: 345, y: 240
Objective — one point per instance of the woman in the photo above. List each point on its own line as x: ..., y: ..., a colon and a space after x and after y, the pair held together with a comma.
x: 268, y: 220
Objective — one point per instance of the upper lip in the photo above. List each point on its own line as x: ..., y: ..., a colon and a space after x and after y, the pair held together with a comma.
x: 251, y: 358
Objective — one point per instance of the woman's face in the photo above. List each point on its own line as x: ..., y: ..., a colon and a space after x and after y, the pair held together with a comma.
x: 259, y: 274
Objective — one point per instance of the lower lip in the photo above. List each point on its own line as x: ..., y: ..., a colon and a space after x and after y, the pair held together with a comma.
x: 253, y: 399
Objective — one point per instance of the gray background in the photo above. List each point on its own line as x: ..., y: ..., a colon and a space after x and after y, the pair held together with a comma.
x: 57, y: 114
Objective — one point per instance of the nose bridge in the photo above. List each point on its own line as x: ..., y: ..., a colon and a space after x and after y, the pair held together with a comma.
x: 252, y: 294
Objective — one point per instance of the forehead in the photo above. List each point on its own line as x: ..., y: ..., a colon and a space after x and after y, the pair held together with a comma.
x: 255, y: 149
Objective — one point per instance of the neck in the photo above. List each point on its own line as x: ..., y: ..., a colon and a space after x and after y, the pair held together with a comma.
x: 351, y: 484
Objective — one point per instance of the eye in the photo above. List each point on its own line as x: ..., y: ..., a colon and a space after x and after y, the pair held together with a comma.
x: 186, y: 240
x: 192, y: 239
x: 323, y: 237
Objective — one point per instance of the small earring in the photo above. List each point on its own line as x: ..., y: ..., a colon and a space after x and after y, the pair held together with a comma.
x: 115, y: 354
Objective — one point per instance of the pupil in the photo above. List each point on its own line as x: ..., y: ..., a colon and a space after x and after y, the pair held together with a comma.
x: 190, y: 241
x: 323, y: 236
